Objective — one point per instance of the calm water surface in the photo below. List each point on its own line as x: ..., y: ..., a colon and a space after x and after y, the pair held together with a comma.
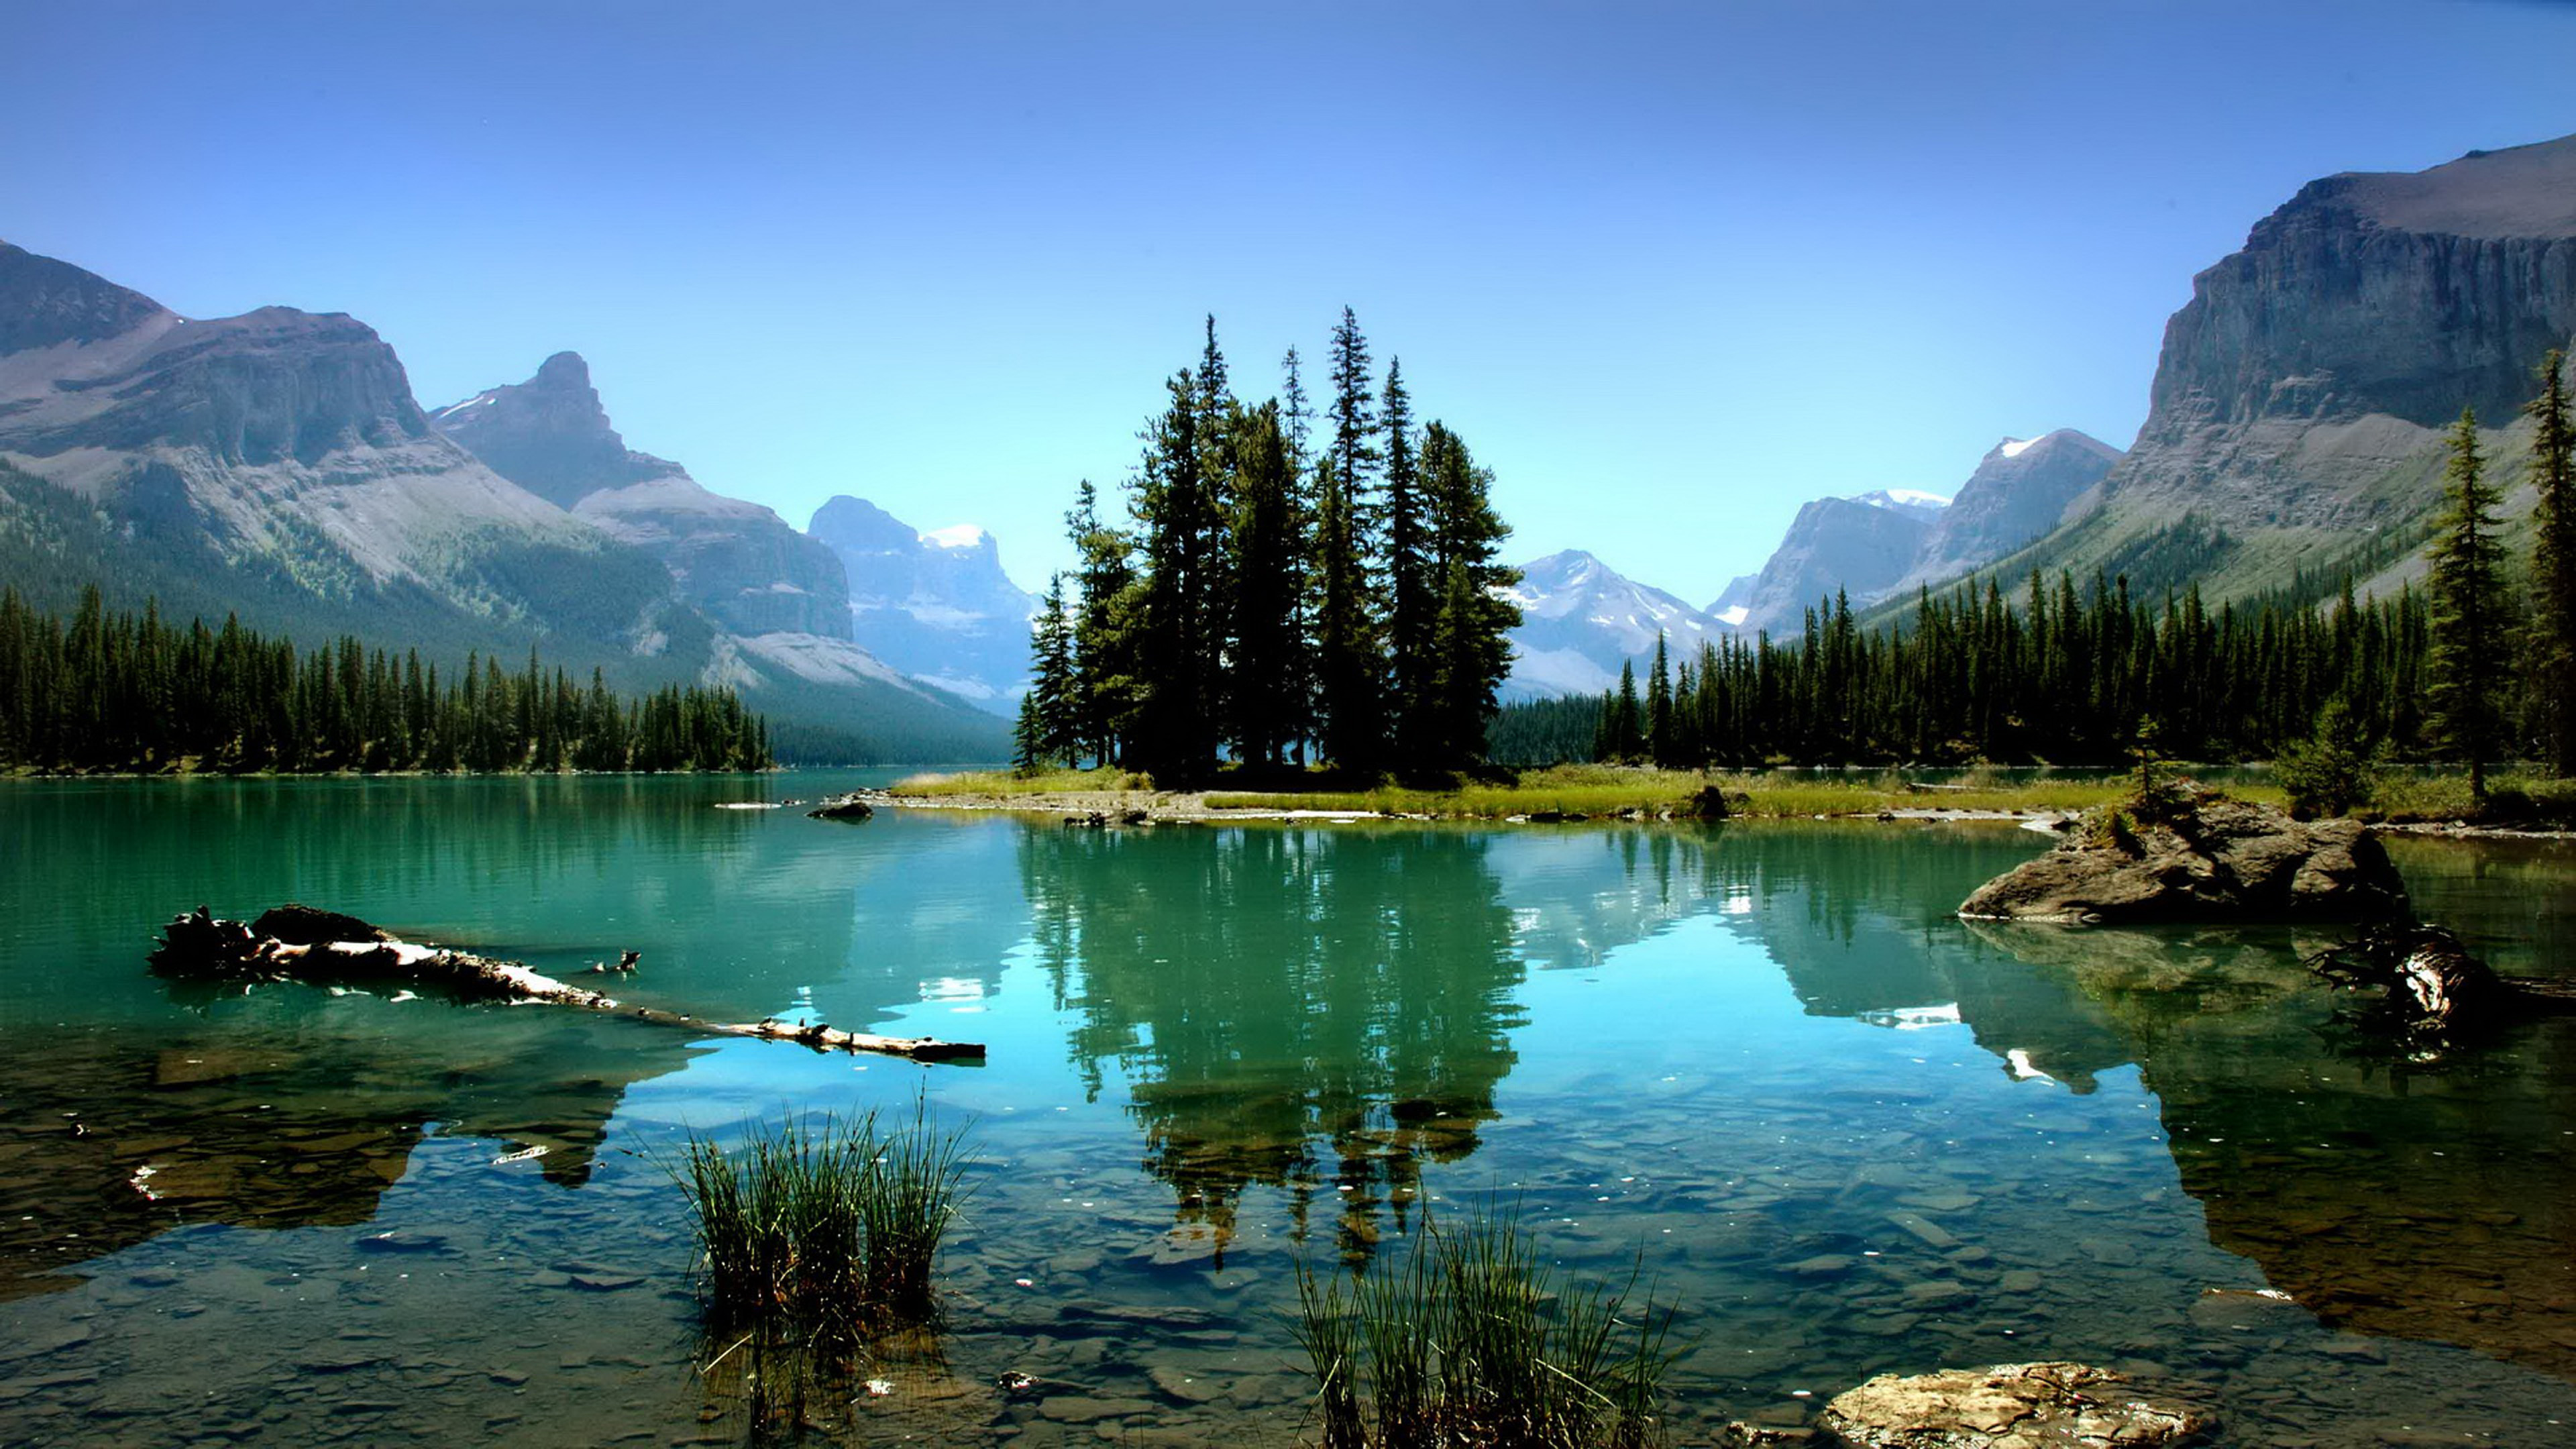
x: 1841, y: 1131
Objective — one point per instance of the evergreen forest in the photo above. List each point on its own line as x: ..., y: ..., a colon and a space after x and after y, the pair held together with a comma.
x: 1274, y: 595
x: 2477, y: 665
x: 119, y: 692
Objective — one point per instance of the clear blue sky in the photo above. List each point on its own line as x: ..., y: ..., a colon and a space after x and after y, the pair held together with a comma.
x: 1670, y: 269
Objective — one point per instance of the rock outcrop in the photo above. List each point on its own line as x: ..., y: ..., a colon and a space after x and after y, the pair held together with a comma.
x: 737, y: 560
x: 2008, y: 1406
x: 2198, y: 856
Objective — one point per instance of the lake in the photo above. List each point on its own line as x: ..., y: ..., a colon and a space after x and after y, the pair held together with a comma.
x: 1760, y: 1065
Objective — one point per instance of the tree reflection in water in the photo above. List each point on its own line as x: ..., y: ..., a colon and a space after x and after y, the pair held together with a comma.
x: 1310, y: 1010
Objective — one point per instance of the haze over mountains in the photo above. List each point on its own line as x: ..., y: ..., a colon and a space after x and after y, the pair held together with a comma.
x: 275, y: 465
x: 935, y: 605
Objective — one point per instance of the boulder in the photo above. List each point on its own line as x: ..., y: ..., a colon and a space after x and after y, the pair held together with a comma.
x: 2008, y: 1406
x: 2197, y: 855
x: 842, y: 807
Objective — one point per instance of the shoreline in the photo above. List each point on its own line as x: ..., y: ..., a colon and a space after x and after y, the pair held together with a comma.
x: 1191, y: 807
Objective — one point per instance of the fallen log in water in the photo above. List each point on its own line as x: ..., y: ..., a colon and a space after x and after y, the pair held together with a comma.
x: 321, y: 948
x: 2421, y: 986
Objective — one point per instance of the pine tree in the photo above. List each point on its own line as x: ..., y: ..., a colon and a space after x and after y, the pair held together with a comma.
x: 2553, y: 567
x: 1297, y: 685
x: 1468, y: 652
x: 2469, y: 609
x: 1350, y: 659
x: 1266, y: 684
x: 1411, y: 585
x: 1627, y: 726
x: 1349, y: 679
x: 1050, y: 701
x: 1659, y: 706
x: 1104, y: 644
x: 1180, y: 522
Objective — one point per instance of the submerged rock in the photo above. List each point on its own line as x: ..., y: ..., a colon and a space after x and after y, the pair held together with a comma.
x: 2197, y: 855
x: 2008, y: 1406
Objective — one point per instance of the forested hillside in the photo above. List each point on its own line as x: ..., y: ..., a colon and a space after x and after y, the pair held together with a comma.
x: 111, y: 692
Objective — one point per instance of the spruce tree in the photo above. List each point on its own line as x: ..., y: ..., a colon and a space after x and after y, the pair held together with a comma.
x: 2469, y: 609
x: 1265, y: 659
x: 1180, y: 525
x: 1411, y: 586
x: 1627, y: 727
x: 1051, y: 698
x: 1297, y: 685
x: 2553, y: 567
x: 1104, y: 645
x: 1468, y: 651
x: 1659, y: 706
x: 1350, y: 657
x: 1349, y: 678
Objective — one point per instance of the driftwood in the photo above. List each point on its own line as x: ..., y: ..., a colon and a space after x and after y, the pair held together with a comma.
x: 291, y: 944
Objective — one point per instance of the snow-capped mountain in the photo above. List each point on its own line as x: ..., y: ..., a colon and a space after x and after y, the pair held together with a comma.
x: 1580, y: 621
x: 935, y: 605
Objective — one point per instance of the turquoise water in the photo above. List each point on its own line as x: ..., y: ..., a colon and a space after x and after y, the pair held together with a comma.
x: 1840, y: 1131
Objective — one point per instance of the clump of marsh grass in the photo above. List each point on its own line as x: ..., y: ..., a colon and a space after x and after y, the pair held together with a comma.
x: 822, y: 1226
x: 1473, y: 1340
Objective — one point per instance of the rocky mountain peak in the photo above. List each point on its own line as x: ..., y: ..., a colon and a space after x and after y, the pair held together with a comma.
x: 2021, y: 488
x: 566, y: 371
x: 550, y: 434
x: 854, y: 525
x: 44, y: 302
x: 934, y: 604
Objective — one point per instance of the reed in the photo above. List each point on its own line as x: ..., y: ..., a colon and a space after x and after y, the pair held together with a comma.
x: 1471, y: 1339
x: 822, y: 1225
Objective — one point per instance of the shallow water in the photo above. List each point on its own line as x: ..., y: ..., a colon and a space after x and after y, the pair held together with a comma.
x: 1840, y: 1131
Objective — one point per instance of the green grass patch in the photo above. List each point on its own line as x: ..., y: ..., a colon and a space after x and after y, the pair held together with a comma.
x: 820, y: 1225
x: 2514, y: 798
x: 1471, y: 1339
x: 1598, y: 791
x: 1010, y: 782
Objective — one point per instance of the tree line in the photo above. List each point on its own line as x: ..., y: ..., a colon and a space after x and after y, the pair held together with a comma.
x: 124, y: 692
x: 2461, y: 669
x: 1271, y: 601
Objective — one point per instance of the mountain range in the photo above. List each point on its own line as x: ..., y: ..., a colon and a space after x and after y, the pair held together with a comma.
x: 2293, y: 437
x: 276, y: 466
x: 1582, y: 620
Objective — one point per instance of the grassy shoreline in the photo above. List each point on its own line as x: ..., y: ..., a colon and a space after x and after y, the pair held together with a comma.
x: 1594, y: 792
